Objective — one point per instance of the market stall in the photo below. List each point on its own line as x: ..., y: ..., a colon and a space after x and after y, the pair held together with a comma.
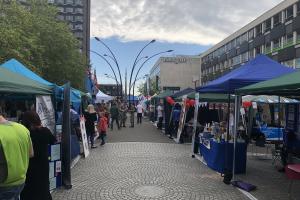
x: 259, y: 69
x: 101, y: 97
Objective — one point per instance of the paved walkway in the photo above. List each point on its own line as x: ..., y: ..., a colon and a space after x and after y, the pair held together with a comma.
x: 142, y: 163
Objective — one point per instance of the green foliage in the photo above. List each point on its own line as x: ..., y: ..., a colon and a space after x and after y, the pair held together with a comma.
x: 33, y: 35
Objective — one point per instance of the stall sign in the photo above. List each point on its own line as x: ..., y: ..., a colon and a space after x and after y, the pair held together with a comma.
x: 182, y: 118
x: 84, y: 137
x: 45, y: 110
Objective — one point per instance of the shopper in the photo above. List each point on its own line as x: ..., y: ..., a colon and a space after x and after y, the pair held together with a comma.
x: 37, y: 181
x: 90, y: 119
x: 175, y: 119
x: 140, y: 110
x: 102, y: 127
x: 131, y: 111
x: 114, y: 113
x: 15, y: 144
x: 159, y: 115
x: 151, y: 109
x: 123, y: 111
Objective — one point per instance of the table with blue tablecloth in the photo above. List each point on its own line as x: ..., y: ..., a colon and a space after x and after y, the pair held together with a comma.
x: 271, y: 133
x: 217, y: 159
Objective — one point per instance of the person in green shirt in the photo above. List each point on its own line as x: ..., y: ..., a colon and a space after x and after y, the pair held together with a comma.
x: 114, y: 113
x: 16, y: 148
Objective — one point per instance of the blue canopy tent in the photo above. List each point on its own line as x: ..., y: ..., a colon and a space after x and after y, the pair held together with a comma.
x: 259, y: 69
x: 17, y: 67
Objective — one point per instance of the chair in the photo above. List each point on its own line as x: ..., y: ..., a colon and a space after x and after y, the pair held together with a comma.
x: 293, y: 173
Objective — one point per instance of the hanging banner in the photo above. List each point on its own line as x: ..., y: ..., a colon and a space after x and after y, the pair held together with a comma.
x: 45, y: 110
x: 195, y: 121
x: 182, y: 118
x: 84, y: 137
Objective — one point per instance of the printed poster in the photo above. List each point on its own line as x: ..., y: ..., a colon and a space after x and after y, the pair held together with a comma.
x: 45, y: 110
x: 84, y: 137
x: 182, y: 118
x: 55, y: 152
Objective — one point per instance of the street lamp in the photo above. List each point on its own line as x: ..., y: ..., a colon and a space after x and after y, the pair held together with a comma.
x: 116, y: 62
x: 135, y: 62
x: 143, y: 65
x: 112, y: 69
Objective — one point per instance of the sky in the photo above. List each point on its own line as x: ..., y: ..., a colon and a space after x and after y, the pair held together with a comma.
x: 188, y: 27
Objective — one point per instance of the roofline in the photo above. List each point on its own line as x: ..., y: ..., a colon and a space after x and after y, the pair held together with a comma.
x: 266, y: 15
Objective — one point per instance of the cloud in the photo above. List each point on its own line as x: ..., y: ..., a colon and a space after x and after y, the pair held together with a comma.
x: 202, y: 22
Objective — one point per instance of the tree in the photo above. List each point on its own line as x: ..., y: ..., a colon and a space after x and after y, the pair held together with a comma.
x: 33, y: 35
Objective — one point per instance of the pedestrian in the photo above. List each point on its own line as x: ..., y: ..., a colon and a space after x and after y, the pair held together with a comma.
x: 102, y: 127
x: 151, y: 109
x: 114, y: 113
x: 175, y: 120
x: 159, y: 115
x: 131, y: 111
x: 37, y: 177
x: 123, y: 114
x: 90, y: 119
x: 15, y: 151
x: 140, y: 110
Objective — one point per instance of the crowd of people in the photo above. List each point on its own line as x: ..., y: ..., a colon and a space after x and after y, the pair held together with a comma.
x: 24, y: 159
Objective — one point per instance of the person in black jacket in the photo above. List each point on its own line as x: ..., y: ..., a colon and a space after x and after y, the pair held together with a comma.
x: 90, y: 119
x: 37, y: 177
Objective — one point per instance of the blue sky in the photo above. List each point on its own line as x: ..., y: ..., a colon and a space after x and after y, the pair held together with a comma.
x: 126, y: 52
x: 187, y: 27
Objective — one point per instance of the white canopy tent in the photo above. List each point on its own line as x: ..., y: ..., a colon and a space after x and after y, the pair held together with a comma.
x: 103, y: 97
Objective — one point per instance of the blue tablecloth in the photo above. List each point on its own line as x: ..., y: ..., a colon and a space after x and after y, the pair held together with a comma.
x: 271, y: 133
x: 217, y: 159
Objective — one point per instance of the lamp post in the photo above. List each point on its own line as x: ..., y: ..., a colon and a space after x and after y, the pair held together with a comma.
x: 112, y: 69
x: 133, y: 85
x: 135, y: 62
x: 116, y: 62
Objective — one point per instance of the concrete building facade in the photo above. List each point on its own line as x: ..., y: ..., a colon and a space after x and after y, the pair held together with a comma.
x: 176, y: 72
x: 276, y: 33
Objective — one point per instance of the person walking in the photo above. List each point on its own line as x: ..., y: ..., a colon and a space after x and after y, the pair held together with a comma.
x: 140, y: 110
x: 151, y: 109
x: 102, y: 127
x: 159, y: 115
x: 114, y: 113
x: 15, y: 151
x: 123, y: 114
x: 37, y: 178
x: 131, y: 111
x: 90, y: 119
x: 175, y: 120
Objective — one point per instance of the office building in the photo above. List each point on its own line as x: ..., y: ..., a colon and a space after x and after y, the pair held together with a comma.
x: 77, y: 14
x: 276, y: 33
x: 175, y: 73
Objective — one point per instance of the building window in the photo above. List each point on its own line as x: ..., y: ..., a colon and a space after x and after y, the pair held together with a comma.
x: 251, y: 34
x: 258, y: 50
x: 268, y: 48
x: 60, y: 1
x: 298, y: 7
x: 276, y: 44
x: 69, y: 18
x: 258, y: 30
x: 78, y: 26
x: 70, y: 10
x: 78, y: 2
x: 228, y: 46
x: 244, y: 57
x: 268, y: 25
x: 69, y: 1
x: 289, y: 63
x: 251, y: 54
x: 297, y: 63
x: 79, y: 10
x: 277, y: 19
x: 79, y: 18
x: 244, y: 38
x: 289, y: 13
x: 288, y: 40
x: 236, y: 60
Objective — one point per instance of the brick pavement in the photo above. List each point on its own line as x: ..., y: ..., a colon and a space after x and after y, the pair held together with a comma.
x: 142, y: 163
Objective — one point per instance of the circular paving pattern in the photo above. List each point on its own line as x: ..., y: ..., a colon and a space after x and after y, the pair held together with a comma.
x: 145, y: 171
x: 149, y: 191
